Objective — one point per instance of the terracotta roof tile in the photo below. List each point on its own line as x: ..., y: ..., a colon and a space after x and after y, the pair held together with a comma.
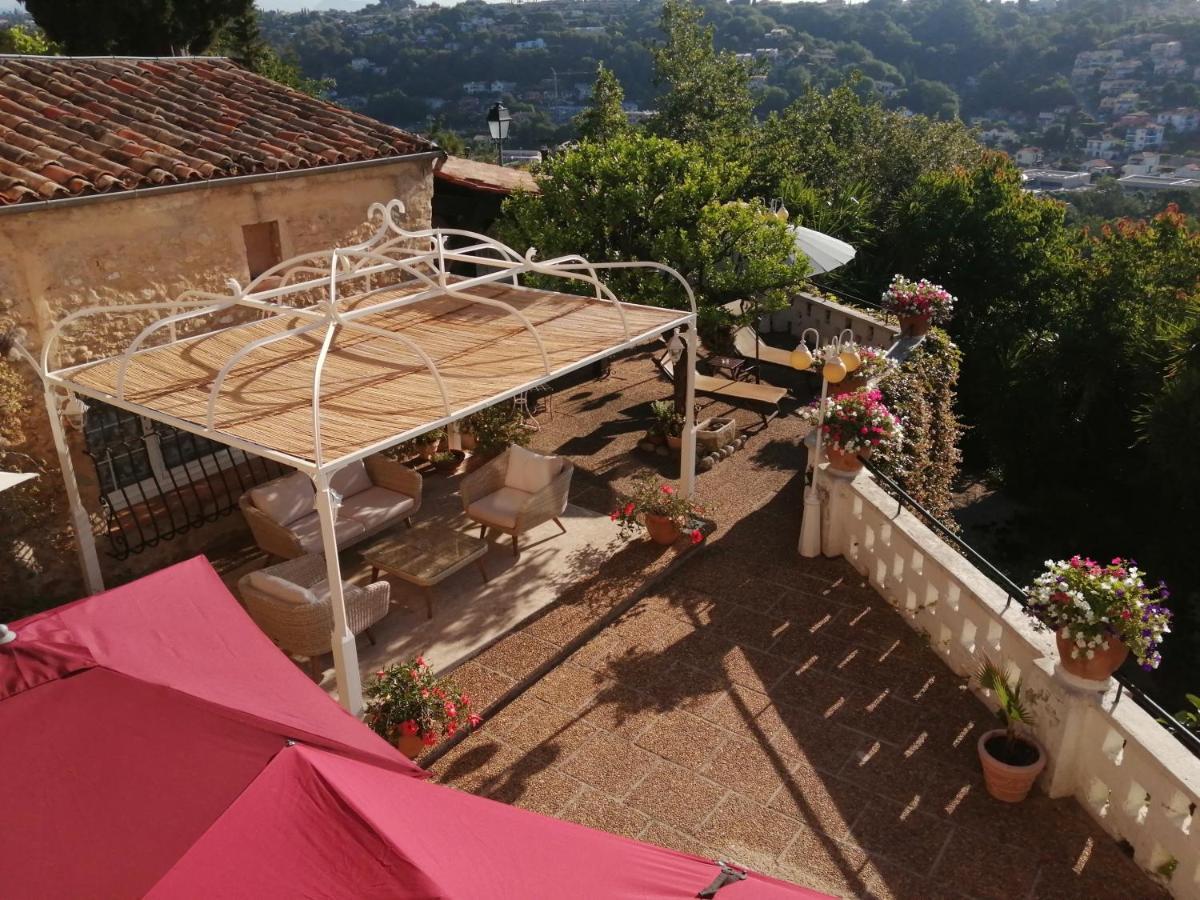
x: 484, y: 177
x: 70, y: 127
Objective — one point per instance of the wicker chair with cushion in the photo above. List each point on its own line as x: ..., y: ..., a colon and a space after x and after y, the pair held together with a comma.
x: 290, y: 603
x: 516, y: 492
x: 376, y: 494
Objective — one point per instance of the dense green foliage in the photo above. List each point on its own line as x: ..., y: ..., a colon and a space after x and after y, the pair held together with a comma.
x: 134, y: 27
x: 241, y: 40
x: 604, y: 118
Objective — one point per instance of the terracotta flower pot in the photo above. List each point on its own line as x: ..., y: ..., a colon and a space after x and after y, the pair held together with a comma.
x: 914, y: 326
x: 1009, y: 783
x: 661, y: 529
x: 467, y: 440
x: 410, y: 745
x: 674, y: 441
x: 1100, y: 666
x: 842, y: 461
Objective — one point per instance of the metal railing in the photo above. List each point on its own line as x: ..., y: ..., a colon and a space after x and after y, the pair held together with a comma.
x: 1182, y: 733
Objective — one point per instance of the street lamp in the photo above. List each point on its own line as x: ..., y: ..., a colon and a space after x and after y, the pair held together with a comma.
x: 498, y: 120
x: 836, y: 365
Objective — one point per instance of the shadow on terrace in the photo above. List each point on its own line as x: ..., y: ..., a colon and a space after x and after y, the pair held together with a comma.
x: 773, y: 710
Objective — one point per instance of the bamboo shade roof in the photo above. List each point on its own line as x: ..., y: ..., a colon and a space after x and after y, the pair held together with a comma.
x: 373, y: 388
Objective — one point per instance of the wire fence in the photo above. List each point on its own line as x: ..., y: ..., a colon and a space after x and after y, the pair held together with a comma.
x: 1017, y: 594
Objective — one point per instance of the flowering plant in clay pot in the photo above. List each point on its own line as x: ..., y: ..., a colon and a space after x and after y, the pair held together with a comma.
x: 917, y: 303
x: 1100, y: 614
x: 411, y: 708
x: 658, y: 507
x: 856, y: 426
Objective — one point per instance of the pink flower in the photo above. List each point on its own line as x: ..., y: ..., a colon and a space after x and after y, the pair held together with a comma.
x: 409, y: 728
x: 451, y: 727
x: 474, y: 720
x: 451, y: 709
x: 421, y: 662
x: 697, y: 537
x: 667, y: 489
x: 429, y: 739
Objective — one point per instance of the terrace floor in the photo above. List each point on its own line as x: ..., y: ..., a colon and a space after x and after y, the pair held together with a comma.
x: 763, y: 708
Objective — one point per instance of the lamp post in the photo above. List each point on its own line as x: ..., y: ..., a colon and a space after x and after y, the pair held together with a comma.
x: 836, y: 365
x: 498, y: 120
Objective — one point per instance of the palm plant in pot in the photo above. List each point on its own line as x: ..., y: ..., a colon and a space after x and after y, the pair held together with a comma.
x: 1011, y: 761
x: 1100, y: 614
x: 659, y: 508
x: 408, y: 706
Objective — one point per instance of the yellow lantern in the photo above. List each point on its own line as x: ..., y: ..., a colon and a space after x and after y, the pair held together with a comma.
x: 834, y: 370
x: 802, y: 358
x: 782, y: 213
x: 850, y: 358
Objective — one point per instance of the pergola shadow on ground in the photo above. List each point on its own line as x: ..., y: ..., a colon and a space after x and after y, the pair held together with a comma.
x: 773, y: 710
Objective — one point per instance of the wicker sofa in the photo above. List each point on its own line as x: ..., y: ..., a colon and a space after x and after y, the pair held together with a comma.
x: 291, y: 605
x: 376, y: 494
x: 517, y: 491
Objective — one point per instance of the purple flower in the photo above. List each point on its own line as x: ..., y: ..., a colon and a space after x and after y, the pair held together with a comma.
x: 1146, y: 667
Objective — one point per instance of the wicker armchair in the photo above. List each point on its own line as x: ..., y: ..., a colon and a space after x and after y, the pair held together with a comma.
x: 385, y: 492
x: 305, y: 629
x: 488, y: 500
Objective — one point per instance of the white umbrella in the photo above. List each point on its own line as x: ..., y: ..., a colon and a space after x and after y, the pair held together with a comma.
x: 824, y: 252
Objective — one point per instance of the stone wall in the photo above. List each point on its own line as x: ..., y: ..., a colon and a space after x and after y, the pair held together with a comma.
x: 138, y: 249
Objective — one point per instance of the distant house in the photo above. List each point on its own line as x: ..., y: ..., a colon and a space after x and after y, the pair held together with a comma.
x: 1054, y: 180
x: 475, y: 87
x: 1046, y: 119
x: 766, y: 53
x: 1182, y: 120
x: 1099, y: 167
x: 360, y: 64
x: 1158, y: 183
x: 1146, y: 136
x: 1166, y: 50
x: 1107, y: 147
x: 1028, y: 156
x: 995, y: 137
x: 1169, y: 67
x: 502, y: 87
x: 532, y: 44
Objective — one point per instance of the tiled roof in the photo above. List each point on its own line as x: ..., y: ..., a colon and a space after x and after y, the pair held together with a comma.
x: 485, y: 177
x: 74, y: 126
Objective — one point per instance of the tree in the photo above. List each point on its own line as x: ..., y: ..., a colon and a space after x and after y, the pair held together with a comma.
x: 605, y: 118
x: 134, y: 27
x: 17, y: 40
x: 707, y: 95
x: 241, y: 40
x: 931, y: 98
x: 641, y: 197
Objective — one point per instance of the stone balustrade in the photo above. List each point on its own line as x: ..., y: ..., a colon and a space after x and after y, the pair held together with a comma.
x: 829, y: 319
x: 1138, y: 782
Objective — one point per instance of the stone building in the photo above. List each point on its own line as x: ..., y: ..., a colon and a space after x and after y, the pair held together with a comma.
x: 131, y: 181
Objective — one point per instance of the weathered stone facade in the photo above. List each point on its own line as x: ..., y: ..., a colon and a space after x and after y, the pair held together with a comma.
x: 138, y: 248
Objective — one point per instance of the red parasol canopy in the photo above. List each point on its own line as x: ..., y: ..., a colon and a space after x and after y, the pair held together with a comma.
x: 153, y: 741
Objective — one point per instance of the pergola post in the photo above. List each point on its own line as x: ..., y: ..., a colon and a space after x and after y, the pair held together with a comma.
x: 85, y: 540
x: 687, y: 453
x: 345, y: 652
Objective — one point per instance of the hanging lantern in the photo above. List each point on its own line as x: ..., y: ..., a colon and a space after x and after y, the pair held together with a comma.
x: 834, y: 370
x: 850, y: 358
x: 802, y: 358
x: 782, y: 213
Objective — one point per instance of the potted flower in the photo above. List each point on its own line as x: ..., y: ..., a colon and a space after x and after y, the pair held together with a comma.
x: 429, y: 442
x: 856, y: 425
x: 497, y: 428
x: 1100, y: 614
x: 447, y: 461
x: 1011, y: 761
x: 668, y: 423
x: 660, y: 509
x: 873, y: 364
x: 916, y: 304
x: 407, y: 706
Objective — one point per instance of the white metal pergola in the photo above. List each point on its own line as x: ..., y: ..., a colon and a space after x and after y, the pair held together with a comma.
x: 332, y: 356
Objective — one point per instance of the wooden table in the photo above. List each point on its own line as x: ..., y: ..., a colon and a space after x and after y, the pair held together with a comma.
x: 425, y: 555
x: 731, y: 366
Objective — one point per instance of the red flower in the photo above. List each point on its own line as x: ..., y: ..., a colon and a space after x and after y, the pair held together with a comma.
x: 697, y: 537
x: 451, y: 727
x: 450, y: 708
x: 629, y: 508
x: 474, y: 720
x: 667, y: 489
x: 421, y: 662
x: 613, y: 515
x: 409, y: 728
x: 429, y: 739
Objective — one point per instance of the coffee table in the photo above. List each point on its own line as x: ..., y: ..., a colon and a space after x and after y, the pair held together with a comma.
x: 425, y: 555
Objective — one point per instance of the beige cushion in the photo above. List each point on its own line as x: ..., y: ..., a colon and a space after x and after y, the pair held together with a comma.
x: 351, y: 480
x: 280, y: 588
x: 528, y: 471
x: 376, y: 507
x: 308, y: 532
x: 286, y: 499
x: 500, y: 508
